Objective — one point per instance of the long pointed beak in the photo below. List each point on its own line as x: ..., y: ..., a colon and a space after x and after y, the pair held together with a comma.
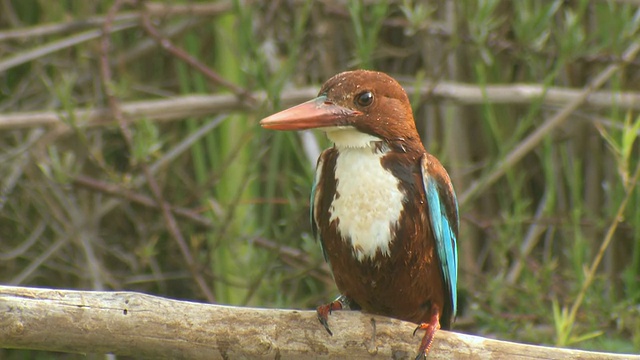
x: 312, y: 114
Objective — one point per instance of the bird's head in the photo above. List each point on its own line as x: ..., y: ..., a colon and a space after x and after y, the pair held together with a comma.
x: 353, y: 108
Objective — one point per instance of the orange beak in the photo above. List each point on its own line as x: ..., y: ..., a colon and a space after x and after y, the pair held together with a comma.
x: 315, y: 113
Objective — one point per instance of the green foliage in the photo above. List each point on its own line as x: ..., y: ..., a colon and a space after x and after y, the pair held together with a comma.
x: 146, y: 141
x: 549, y: 251
x: 367, y: 21
x: 564, y: 328
x: 59, y: 167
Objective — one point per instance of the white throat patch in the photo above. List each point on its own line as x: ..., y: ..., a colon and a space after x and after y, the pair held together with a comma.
x: 349, y: 137
x: 368, y: 202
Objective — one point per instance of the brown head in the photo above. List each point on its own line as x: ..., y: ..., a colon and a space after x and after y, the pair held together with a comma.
x: 369, y: 102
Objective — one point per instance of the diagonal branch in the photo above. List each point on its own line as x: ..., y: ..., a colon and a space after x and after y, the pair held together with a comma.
x: 213, y: 76
x: 539, y: 134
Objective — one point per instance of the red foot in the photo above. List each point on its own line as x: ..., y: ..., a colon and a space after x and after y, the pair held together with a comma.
x: 326, y: 309
x: 430, y: 331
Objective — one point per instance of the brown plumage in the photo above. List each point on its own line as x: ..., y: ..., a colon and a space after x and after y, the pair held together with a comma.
x: 383, y: 208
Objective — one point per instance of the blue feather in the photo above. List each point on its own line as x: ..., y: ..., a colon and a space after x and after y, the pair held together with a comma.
x: 312, y: 201
x: 443, y: 233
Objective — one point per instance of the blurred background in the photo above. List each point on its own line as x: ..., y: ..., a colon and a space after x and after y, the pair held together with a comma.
x: 109, y: 108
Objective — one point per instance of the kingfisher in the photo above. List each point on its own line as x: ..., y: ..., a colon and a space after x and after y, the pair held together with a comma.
x: 383, y: 209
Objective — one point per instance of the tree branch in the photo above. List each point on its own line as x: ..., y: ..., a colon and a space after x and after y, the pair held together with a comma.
x: 182, y: 107
x: 145, y: 326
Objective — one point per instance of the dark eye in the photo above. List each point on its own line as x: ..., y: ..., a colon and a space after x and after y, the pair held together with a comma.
x: 364, y: 99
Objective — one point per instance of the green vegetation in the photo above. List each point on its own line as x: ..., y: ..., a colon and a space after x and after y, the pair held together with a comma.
x: 550, y: 243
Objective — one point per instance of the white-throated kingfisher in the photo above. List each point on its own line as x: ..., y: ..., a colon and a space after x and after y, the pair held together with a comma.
x: 383, y: 208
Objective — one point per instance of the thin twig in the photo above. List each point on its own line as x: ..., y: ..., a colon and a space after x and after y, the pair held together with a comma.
x: 147, y: 45
x: 287, y: 253
x: 156, y: 9
x: 33, y: 32
x: 40, y: 51
x: 192, y: 9
x: 13, y: 175
x: 25, y: 244
x: 35, y: 264
x: 116, y: 190
x: 188, y: 142
x: 530, y: 240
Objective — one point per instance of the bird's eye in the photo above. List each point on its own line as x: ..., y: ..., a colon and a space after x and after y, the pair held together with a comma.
x: 364, y: 99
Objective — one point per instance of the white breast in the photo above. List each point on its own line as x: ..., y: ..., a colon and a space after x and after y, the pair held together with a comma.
x: 368, y: 202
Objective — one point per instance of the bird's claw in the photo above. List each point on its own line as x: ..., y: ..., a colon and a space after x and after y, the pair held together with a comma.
x: 323, y: 316
x: 342, y: 302
x: 430, y: 331
x: 416, y: 329
x: 427, y: 340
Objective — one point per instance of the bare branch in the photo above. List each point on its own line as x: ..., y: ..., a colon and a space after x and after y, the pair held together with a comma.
x: 144, y: 326
x: 183, y: 107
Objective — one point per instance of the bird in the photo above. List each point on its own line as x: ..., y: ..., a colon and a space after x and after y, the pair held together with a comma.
x: 383, y: 209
